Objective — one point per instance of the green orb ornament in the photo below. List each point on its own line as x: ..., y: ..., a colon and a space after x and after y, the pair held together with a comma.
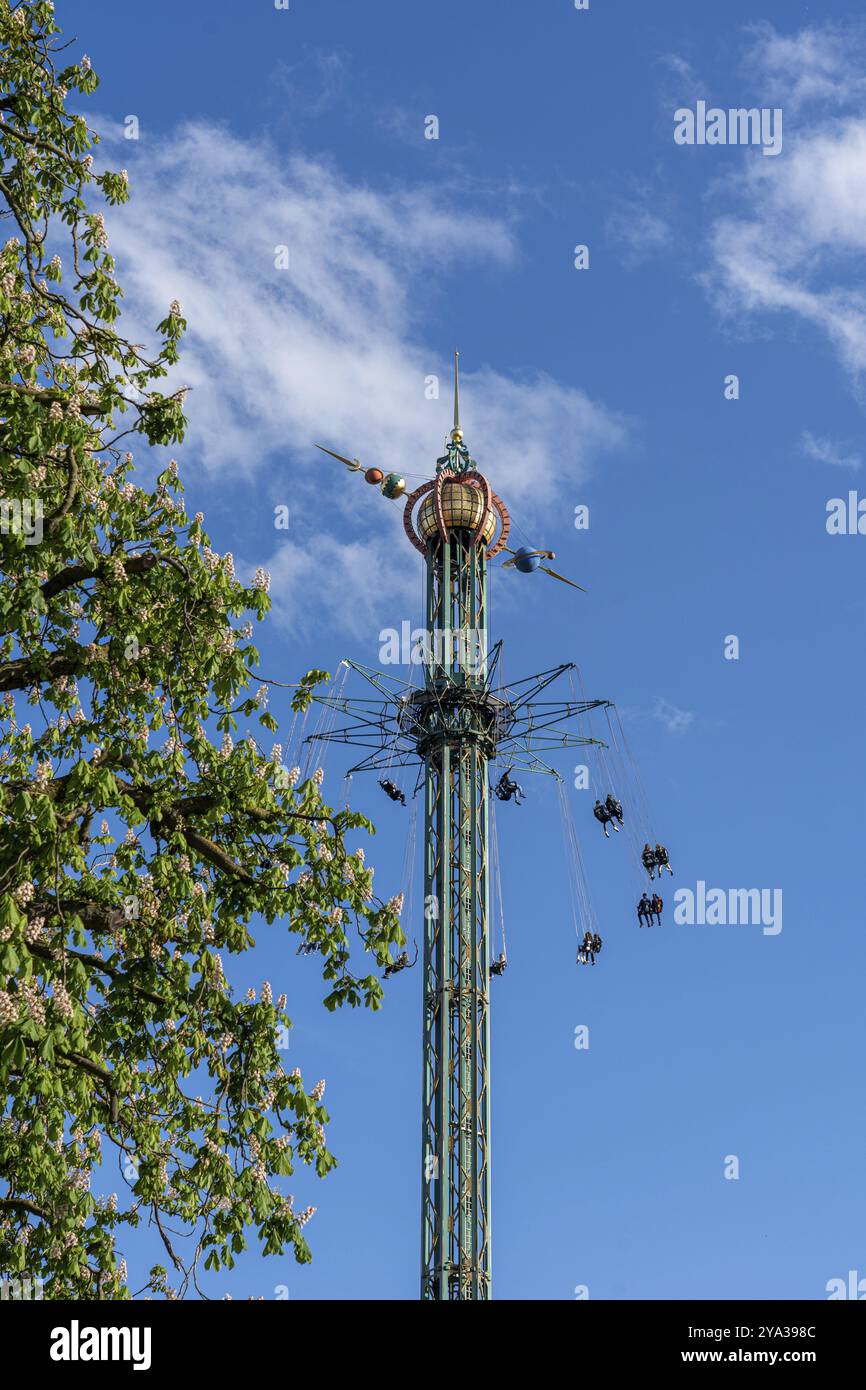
x: 393, y: 485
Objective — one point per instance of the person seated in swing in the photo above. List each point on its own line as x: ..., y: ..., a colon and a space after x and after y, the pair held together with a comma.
x: 506, y: 788
x: 657, y: 905
x: 497, y: 967
x: 306, y: 948
x: 392, y: 791
x: 662, y: 861
x: 603, y: 816
x: 614, y: 808
x: 395, y: 966
x: 644, y: 912
x: 648, y: 859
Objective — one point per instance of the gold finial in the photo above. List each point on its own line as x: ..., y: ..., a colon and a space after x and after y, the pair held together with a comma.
x: 456, y: 433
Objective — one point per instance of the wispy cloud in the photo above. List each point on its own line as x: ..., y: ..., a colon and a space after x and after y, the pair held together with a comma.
x: 637, y: 230
x: 674, y: 719
x: 828, y: 451
x: 680, y: 81
x: 312, y: 85
x: 815, y: 66
x: 797, y: 243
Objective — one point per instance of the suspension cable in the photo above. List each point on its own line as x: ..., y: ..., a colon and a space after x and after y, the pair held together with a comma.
x: 497, y: 874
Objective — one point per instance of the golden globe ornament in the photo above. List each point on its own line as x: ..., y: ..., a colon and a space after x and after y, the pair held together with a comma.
x: 462, y: 509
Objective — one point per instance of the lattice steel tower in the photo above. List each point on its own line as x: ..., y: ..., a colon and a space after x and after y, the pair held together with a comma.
x: 454, y: 725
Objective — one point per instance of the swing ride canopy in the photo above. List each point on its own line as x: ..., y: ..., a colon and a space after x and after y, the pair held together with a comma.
x: 507, y: 722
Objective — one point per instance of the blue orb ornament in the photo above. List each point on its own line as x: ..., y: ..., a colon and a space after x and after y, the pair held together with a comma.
x: 526, y: 560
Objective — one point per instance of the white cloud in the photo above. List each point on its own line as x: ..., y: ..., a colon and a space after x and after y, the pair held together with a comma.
x: 675, y: 720
x: 638, y: 230
x: 331, y: 349
x: 797, y: 246
x: 827, y: 451
x: 813, y: 66
x: 361, y: 584
x: 680, y: 81
x: 313, y: 84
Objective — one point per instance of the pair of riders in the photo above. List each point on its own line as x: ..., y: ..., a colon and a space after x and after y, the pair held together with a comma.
x: 497, y: 967
x: 656, y: 859
x: 648, y: 908
x: 608, y: 814
x: 590, y: 948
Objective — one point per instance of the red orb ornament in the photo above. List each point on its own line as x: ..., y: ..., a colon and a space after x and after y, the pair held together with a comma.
x: 373, y: 475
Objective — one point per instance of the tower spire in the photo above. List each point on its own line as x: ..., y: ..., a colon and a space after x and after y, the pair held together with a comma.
x: 456, y: 433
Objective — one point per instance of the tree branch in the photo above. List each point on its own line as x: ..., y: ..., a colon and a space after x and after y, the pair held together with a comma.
x: 20, y: 1204
x: 101, y: 966
x: 46, y: 397
x: 21, y: 673
x: 71, y: 492
x: 76, y: 574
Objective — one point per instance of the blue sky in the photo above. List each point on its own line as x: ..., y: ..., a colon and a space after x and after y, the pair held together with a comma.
x: 604, y: 387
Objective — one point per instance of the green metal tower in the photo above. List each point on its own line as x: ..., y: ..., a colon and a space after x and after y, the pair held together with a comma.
x: 454, y: 725
x: 458, y: 721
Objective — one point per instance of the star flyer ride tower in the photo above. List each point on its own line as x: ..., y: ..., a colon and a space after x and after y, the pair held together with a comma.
x: 455, y: 724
